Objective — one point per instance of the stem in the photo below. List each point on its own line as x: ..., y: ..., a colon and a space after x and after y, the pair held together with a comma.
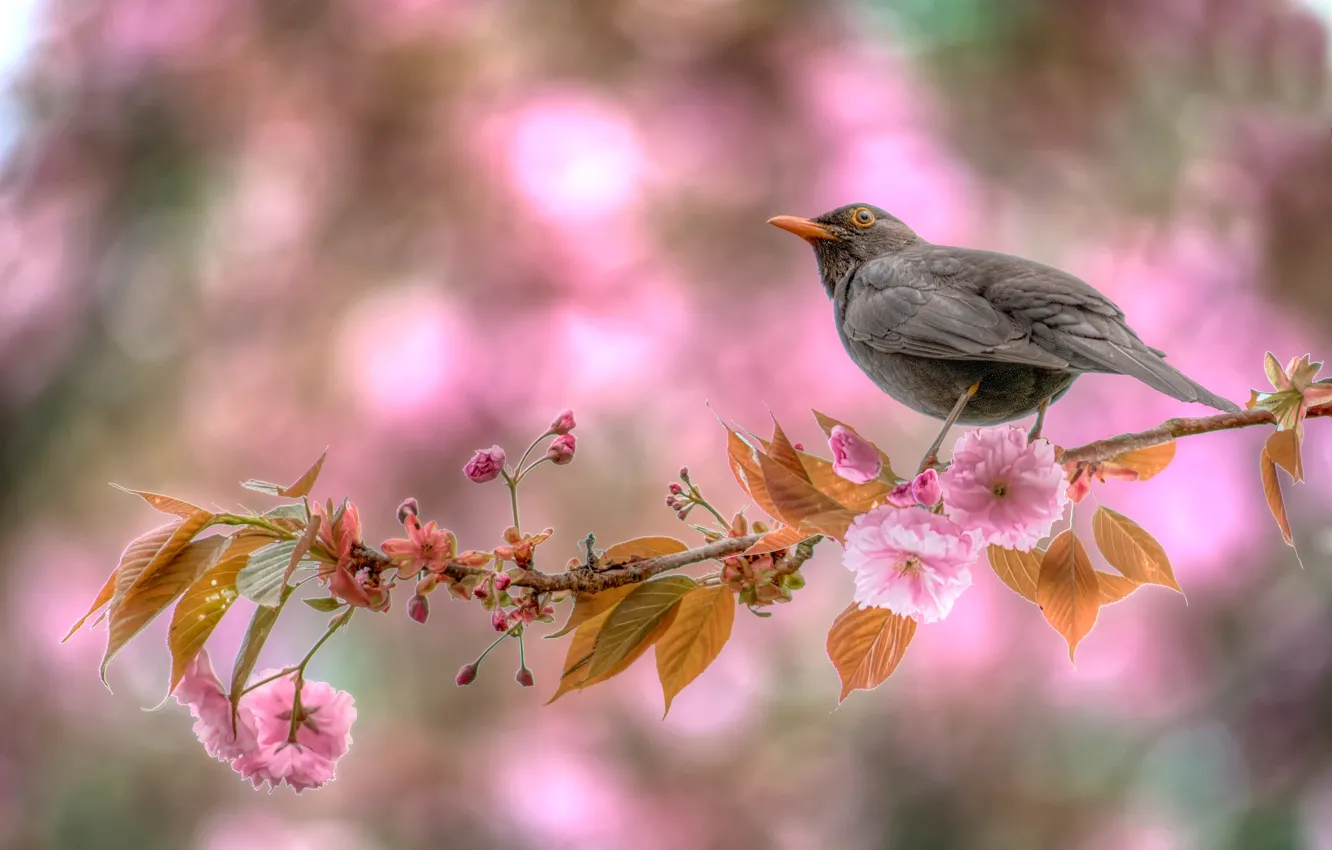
x: 513, y: 500
x: 523, y: 459
x: 278, y: 675
x: 534, y: 465
x: 255, y: 522
x: 337, y: 623
x: 698, y: 499
x: 482, y: 657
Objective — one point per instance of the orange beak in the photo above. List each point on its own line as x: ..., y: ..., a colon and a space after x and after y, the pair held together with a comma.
x: 805, y: 228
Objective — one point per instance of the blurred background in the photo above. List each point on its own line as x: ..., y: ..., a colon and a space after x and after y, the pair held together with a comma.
x: 234, y: 232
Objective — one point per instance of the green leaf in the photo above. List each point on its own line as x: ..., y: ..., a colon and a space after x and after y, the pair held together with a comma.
x: 635, y: 618
x: 265, y: 574
x: 261, y: 626
x: 265, y: 487
x: 294, y: 511
x: 324, y: 603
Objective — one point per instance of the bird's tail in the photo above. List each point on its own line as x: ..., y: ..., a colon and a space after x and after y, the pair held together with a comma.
x: 1146, y: 365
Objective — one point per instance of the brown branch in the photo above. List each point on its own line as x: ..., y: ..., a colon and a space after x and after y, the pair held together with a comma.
x: 1173, y: 429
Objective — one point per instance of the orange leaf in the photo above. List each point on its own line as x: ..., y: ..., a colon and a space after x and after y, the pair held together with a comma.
x: 1019, y: 570
x: 1131, y: 550
x: 1276, y: 503
x: 588, y: 605
x: 148, y: 598
x: 867, y: 645
x: 1114, y: 587
x: 857, y: 497
x: 701, y: 627
x: 205, y: 602
x: 165, y: 504
x: 1146, y: 463
x: 583, y: 646
x: 792, y: 495
x: 775, y: 541
x: 305, y: 483
x: 184, y: 533
x: 834, y: 523
x: 132, y: 561
x: 641, y: 548
x: 1284, y: 449
x: 779, y: 448
x: 827, y: 423
x: 635, y: 619
x: 1067, y: 590
x: 745, y: 467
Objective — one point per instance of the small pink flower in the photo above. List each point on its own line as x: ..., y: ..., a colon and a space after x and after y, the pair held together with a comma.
x: 854, y: 458
x: 1007, y: 490
x: 485, y: 465
x: 564, y: 422
x: 502, y: 581
x: 926, y: 488
x: 424, y: 547
x: 499, y: 621
x: 339, y: 531
x: 561, y: 449
x: 910, y: 561
x: 201, y: 690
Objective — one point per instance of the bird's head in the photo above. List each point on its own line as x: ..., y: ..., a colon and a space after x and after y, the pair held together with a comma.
x: 847, y: 237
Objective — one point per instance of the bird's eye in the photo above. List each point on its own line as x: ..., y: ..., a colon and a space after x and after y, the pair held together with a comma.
x: 863, y: 217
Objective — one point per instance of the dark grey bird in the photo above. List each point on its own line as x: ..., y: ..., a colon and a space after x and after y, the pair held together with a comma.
x: 968, y: 336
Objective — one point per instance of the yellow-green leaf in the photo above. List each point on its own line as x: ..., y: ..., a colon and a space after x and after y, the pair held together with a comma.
x: 1067, y: 590
x: 184, y: 533
x: 1276, y: 503
x: 634, y: 619
x: 701, y: 627
x: 165, y: 504
x: 146, y: 599
x: 132, y: 561
x: 588, y: 605
x: 1114, y: 587
x: 1284, y: 449
x: 641, y: 548
x: 205, y: 602
x: 575, y: 676
x: 1019, y: 570
x: 778, y: 540
x: 827, y: 423
x: 866, y: 645
x: 261, y: 626
x: 1131, y: 550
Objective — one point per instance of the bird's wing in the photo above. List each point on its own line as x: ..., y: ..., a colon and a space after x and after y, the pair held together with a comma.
x: 900, y: 304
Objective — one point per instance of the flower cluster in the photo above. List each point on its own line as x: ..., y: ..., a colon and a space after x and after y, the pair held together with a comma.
x: 757, y: 579
x: 276, y: 736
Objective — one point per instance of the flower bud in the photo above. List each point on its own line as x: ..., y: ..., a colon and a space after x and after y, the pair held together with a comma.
x: 409, y: 507
x: 524, y: 677
x: 854, y: 458
x: 564, y: 422
x: 499, y: 621
x: 800, y: 447
x: 561, y: 449
x: 676, y: 489
x: 502, y: 581
x: 480, y: 592
x: 793, y: 581
x: 684, y: 474
x: 466, y: 675
x: 485, y: 465
x: 684, y: 514
x: 926, y: 489
x: 418, y: 608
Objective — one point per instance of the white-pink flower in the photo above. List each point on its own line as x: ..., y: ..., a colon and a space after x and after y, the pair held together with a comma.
x: 910, y: 561
x: 854, y: 458
x: 1008, y: 491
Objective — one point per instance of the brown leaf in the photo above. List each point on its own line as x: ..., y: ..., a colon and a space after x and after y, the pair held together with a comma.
x: 1067, y: 590
x: 146, y: 599
x: 700, y: 628
x: 834, y: 523
x: 777, y: 540
x: 1146, y: 462
x: 857, y: 497
x: 779, y: 448
x: 1019, y: 570
x: 827, y: 423
x: 165, y: 504
x: 1114, y: 587
x: 184, y: 533
x: 306, y: 482
x: 1276, y: 503
x: 635, y: 619
x: 575, y: 676
x: 1284, y: 449
x: 793, y: 496
x: 588, y: 605
x: 642, y: 548
x: 745, y: 467
x: 867, y: 645
x: 1131, y: 550
x: 205, y: 602
x: 132, y: 561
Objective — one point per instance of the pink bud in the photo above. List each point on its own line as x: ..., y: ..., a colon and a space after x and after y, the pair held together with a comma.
x: 800, y: 447
x: 418, y: 608
x: 485, y: 465
x: 502, y: 581
x: 499, y: 621
x: 901, y: 496
x: 676, y: 489
x: 926, y: 488
x: 564, y: 423
x: 480, y: 592
x: 854, y: 458
x: 561, y: 449
x: 409, y: 507
x: 466, y: 675
x: 684, y: 474
x: 524, y: 677
x: 684, y: 514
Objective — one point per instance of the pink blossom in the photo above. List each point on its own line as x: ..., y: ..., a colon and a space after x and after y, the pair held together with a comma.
x: 910, y: 561
x: 926, y: 488
x: 1007, y: 490
x: 902, y: 496
x: 201, y: 690
x: 339, y: 531
x: 854, y: 458
x: 561, y: 449
x: 424, y: 548
x: 322, y: 732
x: 564, y: 422
x: 485, y: 465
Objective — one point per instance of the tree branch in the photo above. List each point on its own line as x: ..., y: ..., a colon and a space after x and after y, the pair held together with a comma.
x: 1173, y: 429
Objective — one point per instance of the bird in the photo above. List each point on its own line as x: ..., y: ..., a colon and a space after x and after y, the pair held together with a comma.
x: 968, y: 336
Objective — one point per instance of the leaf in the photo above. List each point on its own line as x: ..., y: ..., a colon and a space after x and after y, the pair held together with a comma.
x: 827, y: 423
x: 261, y: 626
x: 146, y: 599
x: 184, y: 533
x: 1114, y: 587
x: 1067, y: 590
x: 779, y: 448
x: 1146, y: 463
x: 205, y: 602
x: 858, y: 497
x: 634, y: 619
x: 324, y: 603
x: 832, y: 523
x: 302, y: 547
x: 132, y: 561
x: 1284, y: 449
x: 866, y: 645
x: 642, y: 548
x: 264, y: 576
x: 1276, y: 503
x: 745, y: 467
x: 588, y: 605
x: 266, y: 487
x: 575, y: 676
x: 794, y: 497
x: 298, y: 490
x: 1019, y: 570
x: 777, y: 540
x: 1131, y: 550
x: 700, y: 629
x: 165, y: 504
x: 294, y: 511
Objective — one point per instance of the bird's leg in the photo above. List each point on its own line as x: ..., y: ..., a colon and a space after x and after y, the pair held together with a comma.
x: 932, y: 456
x: 1040, y: 421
